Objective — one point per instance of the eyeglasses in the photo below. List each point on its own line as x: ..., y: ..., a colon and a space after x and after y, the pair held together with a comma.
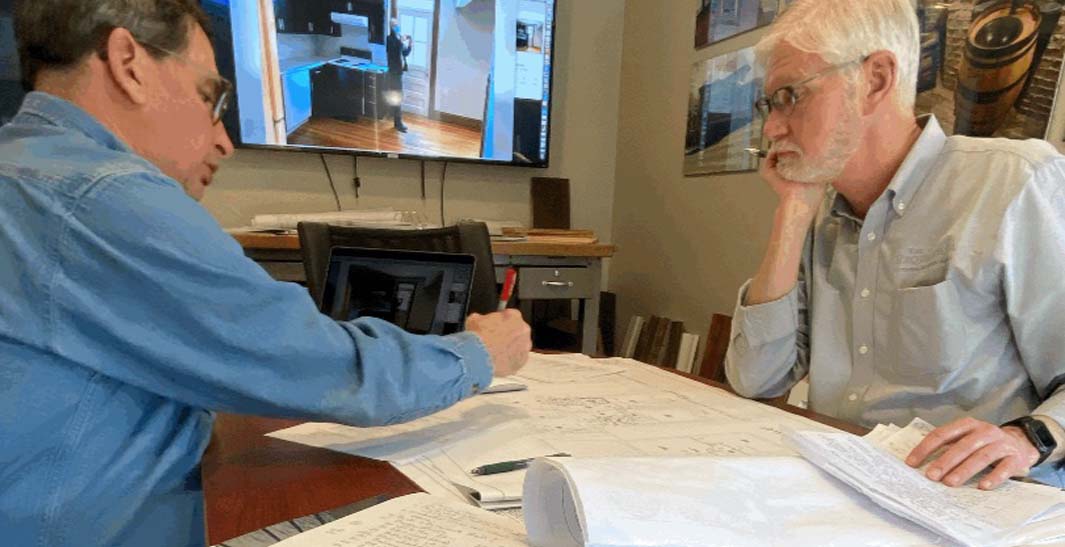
x: 220, y: 90
x: 784, y: 98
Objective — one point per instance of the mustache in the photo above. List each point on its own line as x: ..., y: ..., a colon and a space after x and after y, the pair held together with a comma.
x: 782, y: 146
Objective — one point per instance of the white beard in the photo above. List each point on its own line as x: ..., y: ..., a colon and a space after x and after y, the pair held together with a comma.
x: 826, y: 169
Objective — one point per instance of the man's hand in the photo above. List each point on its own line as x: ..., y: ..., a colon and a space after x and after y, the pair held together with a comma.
x: 506, y: 336
x: 799, y: 203
x: 975, y: 446
x: 804, y: 194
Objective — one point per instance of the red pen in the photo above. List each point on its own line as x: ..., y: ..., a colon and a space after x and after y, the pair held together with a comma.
x: 508, y: 288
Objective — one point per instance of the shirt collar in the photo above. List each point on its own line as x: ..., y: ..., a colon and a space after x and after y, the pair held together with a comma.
x: 910, y: 175
x: 39, y: 105
x: 841, y: 208
x: 918, y: 163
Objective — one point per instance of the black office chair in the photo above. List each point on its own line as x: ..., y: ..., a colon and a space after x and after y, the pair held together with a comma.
x: 317, y: 239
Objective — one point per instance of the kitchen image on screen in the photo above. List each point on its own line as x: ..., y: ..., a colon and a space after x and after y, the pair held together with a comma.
x: 463, y: 79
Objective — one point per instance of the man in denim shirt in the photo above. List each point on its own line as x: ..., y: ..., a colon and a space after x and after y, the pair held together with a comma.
x: 127, y: 315
x: 909, y: 274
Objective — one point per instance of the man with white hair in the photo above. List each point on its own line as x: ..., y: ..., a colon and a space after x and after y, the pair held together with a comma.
x: 908, y: 273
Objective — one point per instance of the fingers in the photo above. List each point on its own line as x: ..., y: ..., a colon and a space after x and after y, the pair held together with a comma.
x: 1013, y: 466
x: 506, y: 336
x: 768, y: 169
x: 965, y: 463
x: 974, y: 446
x: 939, y: 438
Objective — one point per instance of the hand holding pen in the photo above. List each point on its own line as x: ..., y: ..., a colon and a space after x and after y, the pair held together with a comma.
x: 508, y: 288
x: 506, y: 336
x: 510, y: 465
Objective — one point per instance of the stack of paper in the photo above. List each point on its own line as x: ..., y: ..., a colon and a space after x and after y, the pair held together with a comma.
x: 703, y: 502
x: 1014, y: 514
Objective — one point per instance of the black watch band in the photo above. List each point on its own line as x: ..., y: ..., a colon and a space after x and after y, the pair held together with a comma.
x: 1038, y: 434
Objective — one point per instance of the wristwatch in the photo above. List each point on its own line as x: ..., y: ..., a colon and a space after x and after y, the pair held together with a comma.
x: 1038, y: 434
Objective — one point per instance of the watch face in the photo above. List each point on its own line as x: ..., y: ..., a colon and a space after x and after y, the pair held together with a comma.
x: 1039, y: 431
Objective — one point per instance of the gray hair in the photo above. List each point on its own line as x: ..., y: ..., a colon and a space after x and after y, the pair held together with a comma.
x: 841, y: 31
x: 60, y: 33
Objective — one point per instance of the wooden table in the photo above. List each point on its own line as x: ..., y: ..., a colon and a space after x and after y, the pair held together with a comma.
x: 251, y: 481
x: 547, y: 270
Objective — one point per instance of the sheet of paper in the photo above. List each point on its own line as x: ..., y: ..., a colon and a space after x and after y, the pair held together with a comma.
x: 703, y: 502
x: 405, y: 442
x: 966, y: 514
x: 417, y: 519
x: 497, y: 491
x: 566, y: 368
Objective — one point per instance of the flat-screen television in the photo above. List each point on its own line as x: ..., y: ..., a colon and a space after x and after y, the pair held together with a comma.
x: 315, y: 75
x: 474, y: 85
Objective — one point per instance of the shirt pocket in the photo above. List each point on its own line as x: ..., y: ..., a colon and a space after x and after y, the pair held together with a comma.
x: 927, y: 332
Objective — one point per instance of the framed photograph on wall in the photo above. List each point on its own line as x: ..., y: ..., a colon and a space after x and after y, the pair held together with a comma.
x: 722, y: 122
x: 990, y: 68
x: 716, y: 20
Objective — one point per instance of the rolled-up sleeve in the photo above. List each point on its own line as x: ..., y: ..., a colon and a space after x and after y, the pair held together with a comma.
x: 153, y: 293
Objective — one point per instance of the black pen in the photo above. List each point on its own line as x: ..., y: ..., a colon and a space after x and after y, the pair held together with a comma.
x: 512, y: 465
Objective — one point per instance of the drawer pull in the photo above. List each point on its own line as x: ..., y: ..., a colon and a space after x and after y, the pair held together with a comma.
x: 557, y: 283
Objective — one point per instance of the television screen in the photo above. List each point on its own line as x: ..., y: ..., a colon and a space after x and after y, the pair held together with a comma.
x: 11, y: 93
x: 469, y: 79
x: 429, y: 79
x: 421, y: 292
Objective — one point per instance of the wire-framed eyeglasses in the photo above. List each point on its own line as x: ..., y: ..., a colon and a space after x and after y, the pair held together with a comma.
x: 783, y: 99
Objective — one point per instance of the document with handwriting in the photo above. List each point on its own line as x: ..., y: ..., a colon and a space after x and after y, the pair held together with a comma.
x: 415, y: 520
x: 1013, y: 514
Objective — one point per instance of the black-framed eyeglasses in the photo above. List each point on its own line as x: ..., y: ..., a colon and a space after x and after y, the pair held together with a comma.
x: 783, y: 99
x: 217, y: 92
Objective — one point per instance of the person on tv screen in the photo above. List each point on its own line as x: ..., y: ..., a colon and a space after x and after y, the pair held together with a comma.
x: 127, y: 315
x: 398, y: 48
x: 909, y: 274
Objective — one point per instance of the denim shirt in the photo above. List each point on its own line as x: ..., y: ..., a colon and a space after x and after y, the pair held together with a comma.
x: 943, y: 302
x: 127, y: 315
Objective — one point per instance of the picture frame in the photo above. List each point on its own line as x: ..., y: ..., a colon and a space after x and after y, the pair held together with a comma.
x: 717, y: 20
x: 722, y: 122
x: 991, y: 68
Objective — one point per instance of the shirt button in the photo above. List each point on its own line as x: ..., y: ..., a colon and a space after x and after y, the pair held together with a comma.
x: 871, y: 236
x: 865, y: 293
x: 863, y: 350
x: 852, y: 397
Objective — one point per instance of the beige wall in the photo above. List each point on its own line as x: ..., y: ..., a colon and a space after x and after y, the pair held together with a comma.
x: 583, y: 147
x: 686, y: 244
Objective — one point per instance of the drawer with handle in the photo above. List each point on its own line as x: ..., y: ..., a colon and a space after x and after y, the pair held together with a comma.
x: 548, y: 283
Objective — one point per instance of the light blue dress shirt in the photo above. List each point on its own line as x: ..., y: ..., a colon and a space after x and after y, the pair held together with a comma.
x: 947, y: 300
x: 127, y: 315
